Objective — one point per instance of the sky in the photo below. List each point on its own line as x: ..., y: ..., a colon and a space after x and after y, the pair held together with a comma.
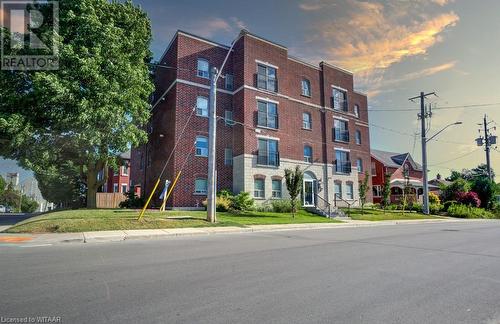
x: 396, y: 49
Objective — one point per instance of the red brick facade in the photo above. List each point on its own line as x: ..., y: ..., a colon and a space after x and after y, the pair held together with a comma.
x: 176, y: 96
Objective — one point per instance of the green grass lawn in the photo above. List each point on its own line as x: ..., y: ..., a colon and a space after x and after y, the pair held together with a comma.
x: 379, y: 215
x: 83, y: 220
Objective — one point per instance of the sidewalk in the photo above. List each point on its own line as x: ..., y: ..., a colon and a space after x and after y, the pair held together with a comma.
x: 122, y: 235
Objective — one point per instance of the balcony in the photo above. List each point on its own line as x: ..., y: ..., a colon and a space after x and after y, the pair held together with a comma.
x: 268, y: 158
x: 340, y: 135
x: 340, y: 105
x: 267, y: 83
x: 343, y: 167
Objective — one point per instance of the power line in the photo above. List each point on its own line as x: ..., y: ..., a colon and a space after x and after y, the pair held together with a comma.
x: 457, y: 158
x: 410, y: 109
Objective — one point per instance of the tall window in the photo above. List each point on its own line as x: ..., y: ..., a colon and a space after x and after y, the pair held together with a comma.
x: 202, y: 106
x: 337, y: 187
x: 266, y: 78
x: 358, y: 137
x: 359, y: 165
x: 124, y: 188
x: 340, y: 130
x: 200, y: 186
x: 306, y: 121
x: 259, y: 188
x: 229, y: 82
x: 339, y: 100
x: 203, y: 68
x: 115, y: 187
x: 306, y: 88
x: 276, y: 189
x: 377, y: 191
x: 349, y: 192
x: 201, y: 146
x: 308, y: 152
x: 342, y: 163
x: 268, y: 152
x: 228, y: 156
x: 125, y: 169
x: 374, y: 169
x: 267, y: 115
x: 356, y: 110
x: 228, y: 117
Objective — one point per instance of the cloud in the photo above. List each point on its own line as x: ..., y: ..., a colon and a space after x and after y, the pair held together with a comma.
x: 442, y: 2
x: 423, y: 73
x: 315, y: 5
x: 216, y: 25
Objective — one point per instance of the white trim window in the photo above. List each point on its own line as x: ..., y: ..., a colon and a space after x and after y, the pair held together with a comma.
x: 115, y: 187
x: 203, y: 68
x: 339, y: 100
x: 337, y: 189
x: 267, y: 114
x: 358, y: 137
x: 377, y: 191
x: 259, y: 188
x: 340, y: 130
x: 124, y: 188
x: 200, y: 186
x: 125, y: 169
x: 306, y: 87
x: 349, y: 193
x: 359, y: 165
x: 356, y: 110
x: 229, y: 82
x: 202, y: 106
x: 276, y: 187
x: 308, y: 154
x: 266, y: 78
x: 201, y: 146
x: 306, y: 120
x: 374, y: 169
x: 228, y: 156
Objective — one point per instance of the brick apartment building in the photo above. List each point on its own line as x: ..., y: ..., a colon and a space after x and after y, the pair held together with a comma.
x: 276, y: 112
x: 118, y: 180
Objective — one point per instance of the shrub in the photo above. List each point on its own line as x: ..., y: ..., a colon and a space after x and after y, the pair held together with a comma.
x: 447, y: 204
x: 132, y: 201
x: 225, y: 193
x: 434, y: 199
x: 243, y: 201
x: 434, y: 208
x: 392, y: 207
x: 463, y: 211
x: 284, y: 206
x: 469, y: 198
x: 222, y: 204
x: 417, y: 207
x: 450, y: 192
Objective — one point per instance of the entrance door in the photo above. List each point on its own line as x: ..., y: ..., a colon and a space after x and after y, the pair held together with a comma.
x: 309, y: 193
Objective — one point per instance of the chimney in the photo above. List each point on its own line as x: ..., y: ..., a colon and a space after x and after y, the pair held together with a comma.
x: 438, y: 176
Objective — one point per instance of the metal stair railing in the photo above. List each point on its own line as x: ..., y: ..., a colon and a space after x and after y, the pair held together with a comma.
x: 327, y: 208
x: 349, y: 204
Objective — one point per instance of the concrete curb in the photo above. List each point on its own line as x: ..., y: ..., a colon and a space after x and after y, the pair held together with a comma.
x: 123, y: 235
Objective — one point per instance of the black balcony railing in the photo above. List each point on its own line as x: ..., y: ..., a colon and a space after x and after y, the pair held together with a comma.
x: 343, y: 167
x: 268, y: 158
x: 340, y: 135
x: 267, y: 83
x: 340, y: 105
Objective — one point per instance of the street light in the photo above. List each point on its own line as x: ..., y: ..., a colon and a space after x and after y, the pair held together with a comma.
x: 426, y: 185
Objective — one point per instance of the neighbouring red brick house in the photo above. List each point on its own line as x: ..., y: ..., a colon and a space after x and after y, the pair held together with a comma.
x: 276, y: 111
x: 119, y: 180
x: 404, y: 171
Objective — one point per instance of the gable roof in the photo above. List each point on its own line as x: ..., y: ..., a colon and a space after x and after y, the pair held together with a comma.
x: 394, y: 160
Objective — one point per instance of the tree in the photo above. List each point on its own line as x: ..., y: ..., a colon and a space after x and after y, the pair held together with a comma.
x: 485, y: 189
x: 3, y: 184
x: 94, y: 106
x: 450, y: 192
x: 363, y: 190
x: 294, y: 180
x: 386, y: 191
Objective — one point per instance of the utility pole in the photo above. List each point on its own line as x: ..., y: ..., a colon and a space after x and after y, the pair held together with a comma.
x: 423, y: 115
x: 488, y: 141
x: 212, y: 137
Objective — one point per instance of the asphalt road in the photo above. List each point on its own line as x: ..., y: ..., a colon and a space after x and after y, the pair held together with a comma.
x: 13, y: 218
x: 432, y: 273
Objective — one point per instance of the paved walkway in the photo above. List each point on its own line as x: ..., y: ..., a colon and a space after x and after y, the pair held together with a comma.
x: 121, y: 235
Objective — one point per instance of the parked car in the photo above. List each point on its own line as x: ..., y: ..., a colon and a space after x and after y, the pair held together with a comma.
x: 8, y: 209
x: 3, y: 209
